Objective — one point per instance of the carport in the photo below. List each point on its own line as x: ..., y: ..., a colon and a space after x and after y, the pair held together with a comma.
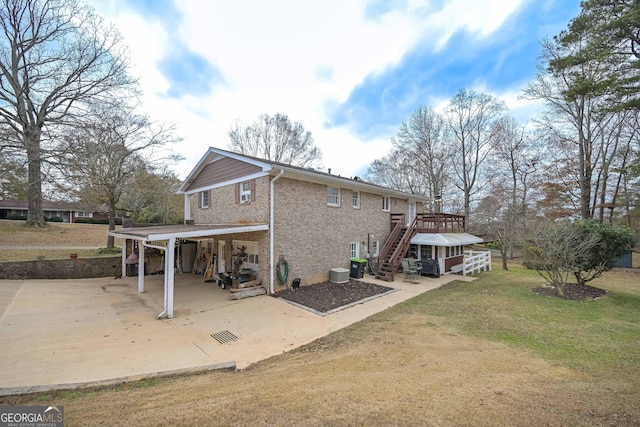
x: 164, y: 238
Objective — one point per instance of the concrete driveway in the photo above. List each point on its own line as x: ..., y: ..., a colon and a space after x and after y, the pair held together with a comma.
x: 70, y: 333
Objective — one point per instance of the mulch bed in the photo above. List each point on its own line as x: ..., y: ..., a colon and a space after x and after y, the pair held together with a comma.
x: 572, y: 292
x: 326, y: 296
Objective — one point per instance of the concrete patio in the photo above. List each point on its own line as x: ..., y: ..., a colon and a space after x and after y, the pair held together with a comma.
x: 72, y: 333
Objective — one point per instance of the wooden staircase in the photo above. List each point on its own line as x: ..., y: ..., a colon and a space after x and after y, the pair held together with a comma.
x: 395, y: 247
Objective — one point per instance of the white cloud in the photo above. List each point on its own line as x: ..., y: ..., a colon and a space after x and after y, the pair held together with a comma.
x: 285, y: 56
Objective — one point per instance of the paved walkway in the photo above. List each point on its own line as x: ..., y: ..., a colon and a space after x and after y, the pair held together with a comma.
x: 71, y: 333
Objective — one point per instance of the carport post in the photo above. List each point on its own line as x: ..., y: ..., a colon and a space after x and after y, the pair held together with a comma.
x: 124, y: 257
x: 141, y: 269
x: 169, y: 274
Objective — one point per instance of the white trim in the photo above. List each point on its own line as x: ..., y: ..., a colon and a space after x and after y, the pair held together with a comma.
x: 225, y: 183
x: 187, y: 207
x: 141, y: 268
x: 272, y: 264
x: 187, y: 234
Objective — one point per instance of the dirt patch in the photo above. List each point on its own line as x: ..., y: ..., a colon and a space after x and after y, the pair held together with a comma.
x: 326, y: 296
x: 572, y: 292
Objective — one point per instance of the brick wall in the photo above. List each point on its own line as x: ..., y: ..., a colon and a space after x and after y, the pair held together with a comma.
x: 312, y: 236
x: 80, y: 268
x: 315, y: 237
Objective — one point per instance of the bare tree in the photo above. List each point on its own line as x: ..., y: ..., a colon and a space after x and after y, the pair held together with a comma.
x: 13, y: 170
x: 103, y: 153
x: 276, y: 138
x: 396, y: 170
x: 470, y: 116
x: 517, y: 160
x: 424, y: 139
x: 54, y: 55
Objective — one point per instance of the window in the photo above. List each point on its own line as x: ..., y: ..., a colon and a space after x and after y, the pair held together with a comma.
x: 356, y: 200
x: 333, y: 196
x: 426, y: 252
x: 386, y: 203
x: 204, y: 199
x: 354, y: 250
x: 245, y: 192
x: 84, y: 214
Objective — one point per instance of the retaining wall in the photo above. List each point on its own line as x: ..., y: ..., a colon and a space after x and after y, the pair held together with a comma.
x: 79, y: 268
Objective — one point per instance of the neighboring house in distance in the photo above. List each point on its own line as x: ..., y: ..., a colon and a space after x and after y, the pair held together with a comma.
x: 68, y: 211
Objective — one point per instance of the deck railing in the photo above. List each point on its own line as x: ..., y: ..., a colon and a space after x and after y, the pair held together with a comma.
x: 435, y: 222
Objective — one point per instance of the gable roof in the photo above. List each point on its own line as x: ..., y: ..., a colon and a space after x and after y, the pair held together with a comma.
x: 262, y: 167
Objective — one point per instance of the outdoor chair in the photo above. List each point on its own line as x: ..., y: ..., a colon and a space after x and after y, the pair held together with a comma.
x: 409, y: 273
x: 414, y: 264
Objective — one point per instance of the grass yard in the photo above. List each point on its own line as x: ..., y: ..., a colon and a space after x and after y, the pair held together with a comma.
x: 27, y: 244
x: 486, y: 353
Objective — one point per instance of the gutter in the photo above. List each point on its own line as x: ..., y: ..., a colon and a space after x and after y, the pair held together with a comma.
x: 271, y: 229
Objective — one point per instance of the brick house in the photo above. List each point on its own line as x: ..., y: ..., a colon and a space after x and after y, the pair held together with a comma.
x: 317, y: 220
x: 254, y: 215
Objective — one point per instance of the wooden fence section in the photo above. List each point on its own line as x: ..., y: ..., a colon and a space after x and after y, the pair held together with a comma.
x: 476, y: 261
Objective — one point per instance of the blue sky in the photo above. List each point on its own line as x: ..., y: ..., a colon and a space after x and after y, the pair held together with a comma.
x: 350, y: 71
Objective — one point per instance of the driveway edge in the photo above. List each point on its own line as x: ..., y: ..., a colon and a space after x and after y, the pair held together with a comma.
x: 13, y: 391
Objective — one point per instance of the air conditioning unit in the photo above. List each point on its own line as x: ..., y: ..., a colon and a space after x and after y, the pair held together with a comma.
x: 339, y: 275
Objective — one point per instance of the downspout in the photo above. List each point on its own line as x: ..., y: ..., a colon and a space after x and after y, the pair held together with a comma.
x: 271, y: 229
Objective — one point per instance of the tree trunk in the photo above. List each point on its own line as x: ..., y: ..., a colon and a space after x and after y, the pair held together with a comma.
x: 503, y: 255
x: 112, y: 225
x: 35, y: 215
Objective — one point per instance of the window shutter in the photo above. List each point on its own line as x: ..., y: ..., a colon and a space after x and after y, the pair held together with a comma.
x: 253, y: 190
x: 237, y: 193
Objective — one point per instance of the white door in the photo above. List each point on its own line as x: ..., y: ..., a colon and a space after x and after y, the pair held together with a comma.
x: 412, y: 212
x: 221, y: 256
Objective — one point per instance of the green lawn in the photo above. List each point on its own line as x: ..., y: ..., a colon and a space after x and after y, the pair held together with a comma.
x: 598, y: 336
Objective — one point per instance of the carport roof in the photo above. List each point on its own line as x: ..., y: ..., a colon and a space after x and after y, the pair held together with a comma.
x: 445, y: 239
x: 165, y: 232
